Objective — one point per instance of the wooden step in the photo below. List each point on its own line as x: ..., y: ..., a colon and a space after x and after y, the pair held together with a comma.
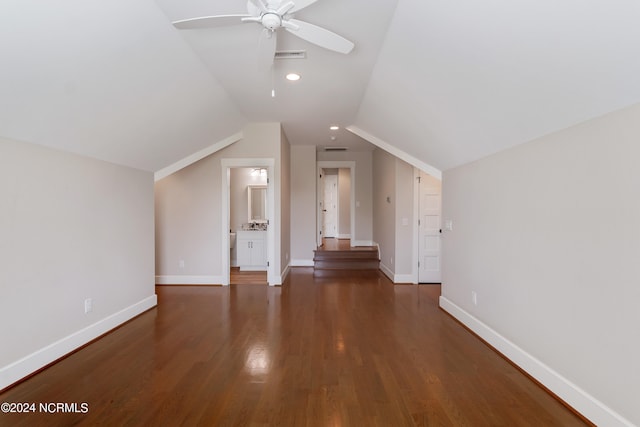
x: 353, y: 254
x: 352, y: 259
x: 342, y: 274
x: 347, y: 264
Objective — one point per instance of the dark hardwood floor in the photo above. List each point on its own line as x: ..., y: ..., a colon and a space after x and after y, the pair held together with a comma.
x: 237, y: 277
x: 352, y: 350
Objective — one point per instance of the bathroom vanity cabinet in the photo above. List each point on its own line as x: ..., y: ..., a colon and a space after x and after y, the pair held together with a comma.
x: 251, y: 250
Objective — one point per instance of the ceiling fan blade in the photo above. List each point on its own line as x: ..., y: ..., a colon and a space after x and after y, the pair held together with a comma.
x: 209, y: 21
x: 320, y: 36
x: 301, y: 4
x: 285, y: 8
x: 267, y: 49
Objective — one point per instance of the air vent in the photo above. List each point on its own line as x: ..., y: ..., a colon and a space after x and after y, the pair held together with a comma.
x: 291, y: 54
x: 335, y: 148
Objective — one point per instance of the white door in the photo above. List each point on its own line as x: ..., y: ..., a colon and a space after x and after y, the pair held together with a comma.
x: 330, y: 206
x: 429, y: 229
x: 258, y: 253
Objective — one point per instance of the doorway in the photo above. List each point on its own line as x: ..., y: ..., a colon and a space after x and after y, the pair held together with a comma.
x: 247, y: 225
x: 429, y: 228
x: 270, y: 222
x: 336, y: 181
x: 330, y: 203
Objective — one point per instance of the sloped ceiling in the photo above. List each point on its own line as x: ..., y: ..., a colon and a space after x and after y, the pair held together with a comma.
x: 458, y: 80
x: 107, y: 79
x: 446, y: 82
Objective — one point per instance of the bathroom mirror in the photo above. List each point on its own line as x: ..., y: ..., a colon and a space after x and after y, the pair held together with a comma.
x: 257, y: 211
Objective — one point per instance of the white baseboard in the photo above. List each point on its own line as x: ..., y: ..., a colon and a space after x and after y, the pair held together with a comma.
x: 344, y: 236
x: 578, y: 399
x: 362, y: 243
x: 37, y: 360
x: 301, y: 263
x: 279, y: 280
x: 188, y: 280
x: 403, y: 278
x: 387, y: 271
x: 253, y: 268
x: 396, y: 278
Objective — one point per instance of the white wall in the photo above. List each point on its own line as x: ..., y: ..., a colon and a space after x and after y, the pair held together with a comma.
x: 384, y: 209
x: 363, y: 192
x: 188, y: 210
x: 344, y: 203
x: 393, y: 201
x: 548, y: 236
x: 404, y: 260
x: 285, y: 204
x: 187, y: 213
x: 71, y: 228
x: 303, y: 204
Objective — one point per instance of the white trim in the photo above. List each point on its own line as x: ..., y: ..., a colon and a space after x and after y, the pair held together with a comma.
x: 198, y: 155
x: 280, y: 279
x: 274, y: 223
x: 343, y: 236
x: 415, y: 256
x: 301, y: 263
x: 591, y: 408
x: 253, y: 268
x: 403, y: 278
x: 396, y: 152
x: 395, y: 278
x: 387, y: 271
x: 363, y: 243
x: 188, y: 280
x: 40, y: 358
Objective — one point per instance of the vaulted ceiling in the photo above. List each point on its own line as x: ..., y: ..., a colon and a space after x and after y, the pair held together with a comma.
x: 446, y: 82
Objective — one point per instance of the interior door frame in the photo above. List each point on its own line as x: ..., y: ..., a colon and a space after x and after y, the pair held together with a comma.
x: 415, y: 271
x: 225, y: 166
x: 337, y: 204
x: 417, y: 194
x: 332, y: 164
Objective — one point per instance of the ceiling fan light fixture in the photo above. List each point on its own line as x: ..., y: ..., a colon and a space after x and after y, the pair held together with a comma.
x: 273, y: 15
x: 293, y: 77
x: 262, y: 172
x: 271, y: 21
x: 334, y: 127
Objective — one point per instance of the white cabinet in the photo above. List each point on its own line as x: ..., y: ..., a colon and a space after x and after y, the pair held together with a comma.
x: 252, y: 250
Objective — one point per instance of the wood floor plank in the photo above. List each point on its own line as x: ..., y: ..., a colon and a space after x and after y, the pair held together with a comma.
x: 349, y: 350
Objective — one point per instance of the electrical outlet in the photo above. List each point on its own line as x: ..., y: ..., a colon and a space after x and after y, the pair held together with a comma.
x: 474, y: 297
x: 181, y: 263
x: 88, y: 305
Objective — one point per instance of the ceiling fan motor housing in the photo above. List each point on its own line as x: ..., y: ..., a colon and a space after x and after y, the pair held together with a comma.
x: 271, y: 21
x: 272, y: 15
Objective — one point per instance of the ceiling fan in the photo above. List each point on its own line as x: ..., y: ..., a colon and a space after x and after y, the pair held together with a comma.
x: 273, y: 15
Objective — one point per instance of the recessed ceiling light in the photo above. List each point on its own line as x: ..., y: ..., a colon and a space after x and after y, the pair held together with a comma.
x: 293, y: 77
x: 334, y: 127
